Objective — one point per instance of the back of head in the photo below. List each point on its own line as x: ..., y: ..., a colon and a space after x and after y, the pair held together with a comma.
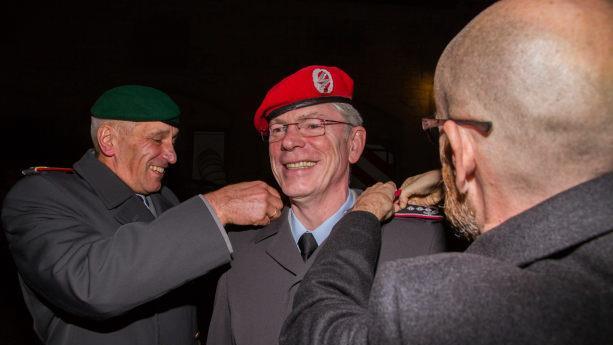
x: 541, y: 71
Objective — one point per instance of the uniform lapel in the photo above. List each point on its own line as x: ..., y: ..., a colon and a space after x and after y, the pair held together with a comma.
x: 116, y: 196
x: 132, y: 210
x: 282, y: 247
x: 160, y: 203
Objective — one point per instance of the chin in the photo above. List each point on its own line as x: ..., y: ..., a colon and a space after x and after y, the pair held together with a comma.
x: 154, y: 189
x: 296, y: 192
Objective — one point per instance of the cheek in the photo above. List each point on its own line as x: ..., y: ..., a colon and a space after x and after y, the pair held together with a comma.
x: 273, y: 158
x: 338, y: 157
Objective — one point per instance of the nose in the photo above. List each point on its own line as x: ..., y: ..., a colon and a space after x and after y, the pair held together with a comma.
x: 292, y: 138
x: 169, y: 153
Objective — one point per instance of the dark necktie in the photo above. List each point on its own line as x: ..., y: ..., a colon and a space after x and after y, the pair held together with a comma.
x: 307, y: 245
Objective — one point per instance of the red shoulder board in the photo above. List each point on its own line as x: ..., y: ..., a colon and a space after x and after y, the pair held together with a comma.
x: 37, y: 170
x: 421, y: 212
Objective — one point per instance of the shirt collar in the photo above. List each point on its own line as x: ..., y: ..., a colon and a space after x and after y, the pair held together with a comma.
x: 321, y: 232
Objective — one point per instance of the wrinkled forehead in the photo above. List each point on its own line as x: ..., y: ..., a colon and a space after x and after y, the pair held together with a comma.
x: 319, y: 111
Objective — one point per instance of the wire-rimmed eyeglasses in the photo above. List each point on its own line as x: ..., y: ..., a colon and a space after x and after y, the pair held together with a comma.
x: 431, y: 125
x: 307, y: 127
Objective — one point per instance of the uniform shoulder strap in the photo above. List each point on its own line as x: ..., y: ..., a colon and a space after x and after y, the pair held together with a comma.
x: 41, y: 169
x: 421, y: 212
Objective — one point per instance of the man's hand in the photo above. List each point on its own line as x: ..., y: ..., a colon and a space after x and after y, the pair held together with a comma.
x: 246, y: 203
x: 378, y: 200
x: 423, y: 189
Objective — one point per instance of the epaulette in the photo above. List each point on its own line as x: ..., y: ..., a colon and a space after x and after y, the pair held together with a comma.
x: 421, y: 212
x: 38, y: 170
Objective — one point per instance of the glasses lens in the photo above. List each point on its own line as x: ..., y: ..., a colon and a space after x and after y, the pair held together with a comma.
x: 276, y: 132
x: 312, y: 127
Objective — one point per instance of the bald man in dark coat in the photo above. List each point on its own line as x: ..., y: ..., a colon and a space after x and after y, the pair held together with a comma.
x: 524, y: 109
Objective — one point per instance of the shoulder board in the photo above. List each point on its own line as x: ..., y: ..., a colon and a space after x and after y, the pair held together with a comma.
x: 420, y: 212
x: 38, y: 170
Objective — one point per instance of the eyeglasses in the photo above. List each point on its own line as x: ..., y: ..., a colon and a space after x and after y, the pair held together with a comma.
x: 431, y: 126
x: 307, y: 127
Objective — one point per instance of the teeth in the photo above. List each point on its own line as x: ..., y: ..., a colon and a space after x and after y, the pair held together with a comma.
x: 157, y: 169
x: 299, y: 165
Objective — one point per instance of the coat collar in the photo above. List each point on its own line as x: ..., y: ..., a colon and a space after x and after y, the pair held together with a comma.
x: 561, y: 222
x: 113, y: 192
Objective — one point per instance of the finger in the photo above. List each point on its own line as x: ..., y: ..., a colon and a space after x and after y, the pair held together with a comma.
x: 274, y: 192
x: 390, y: 188
x: 275, y: 214
x: 270, y: 190
x: 263, y: 221
x: 276, y: 202
x: 397, y: 206
x: 388, y: 214
x: 426, y: 182
x: 403, y: 199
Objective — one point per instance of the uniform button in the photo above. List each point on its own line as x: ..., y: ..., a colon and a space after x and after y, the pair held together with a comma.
x: 197, y: 335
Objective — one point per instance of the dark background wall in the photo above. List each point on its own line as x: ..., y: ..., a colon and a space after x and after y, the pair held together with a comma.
x: 217, y: 59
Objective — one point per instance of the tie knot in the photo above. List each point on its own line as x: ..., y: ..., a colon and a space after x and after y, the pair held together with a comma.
x: 307, y: 245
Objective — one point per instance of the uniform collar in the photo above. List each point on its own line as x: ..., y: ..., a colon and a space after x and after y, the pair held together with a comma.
x: 110, y: 188
x: 322, y: 231
x: 560, y: 222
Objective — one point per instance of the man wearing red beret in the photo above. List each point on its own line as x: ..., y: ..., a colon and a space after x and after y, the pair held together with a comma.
x: 314, y: 134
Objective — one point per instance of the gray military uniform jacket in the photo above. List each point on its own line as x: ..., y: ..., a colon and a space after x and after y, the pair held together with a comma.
x: 97, y: 268
x: 255, y: 295
x: 544, y: 276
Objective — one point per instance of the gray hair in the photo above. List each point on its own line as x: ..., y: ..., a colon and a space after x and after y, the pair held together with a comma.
x: 124, y: 127
x: 350, y: 114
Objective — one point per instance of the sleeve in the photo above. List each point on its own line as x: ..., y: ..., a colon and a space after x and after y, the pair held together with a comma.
x: 446, y: 298
x: 220, y: 328
x: 411, y: 237
x: 73, y: 261
x: 222, y: 230
x: 331, y: 304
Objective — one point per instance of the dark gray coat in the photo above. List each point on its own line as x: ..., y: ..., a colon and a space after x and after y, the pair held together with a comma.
x: 97, y: 268
x: 542, y: 277
x: 255, y: 295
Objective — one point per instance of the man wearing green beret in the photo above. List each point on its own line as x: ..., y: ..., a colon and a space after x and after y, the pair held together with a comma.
x: 105, y: 252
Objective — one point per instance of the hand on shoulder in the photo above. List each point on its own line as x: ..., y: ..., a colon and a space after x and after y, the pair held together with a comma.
x: 246, y: 203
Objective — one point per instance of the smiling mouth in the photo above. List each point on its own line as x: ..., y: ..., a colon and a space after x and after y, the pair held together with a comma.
x: 300, y: 165
x: 157, y: 169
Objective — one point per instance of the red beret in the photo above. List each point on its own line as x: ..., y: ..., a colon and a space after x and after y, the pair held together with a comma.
x: 309, y: 86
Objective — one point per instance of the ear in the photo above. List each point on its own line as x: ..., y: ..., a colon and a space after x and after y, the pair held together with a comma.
x: 357, y: 141
x: 106, y: 140
x: 462, y: 155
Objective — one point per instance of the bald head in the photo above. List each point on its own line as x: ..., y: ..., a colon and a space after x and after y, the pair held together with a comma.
x: 541, y: 71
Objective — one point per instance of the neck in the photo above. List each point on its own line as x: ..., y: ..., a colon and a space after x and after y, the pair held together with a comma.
x: 314, y: 211
x: 502, y: 200
x: 108, y: 162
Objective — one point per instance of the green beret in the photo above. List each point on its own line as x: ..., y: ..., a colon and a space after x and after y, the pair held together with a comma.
x: 136, y: 103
